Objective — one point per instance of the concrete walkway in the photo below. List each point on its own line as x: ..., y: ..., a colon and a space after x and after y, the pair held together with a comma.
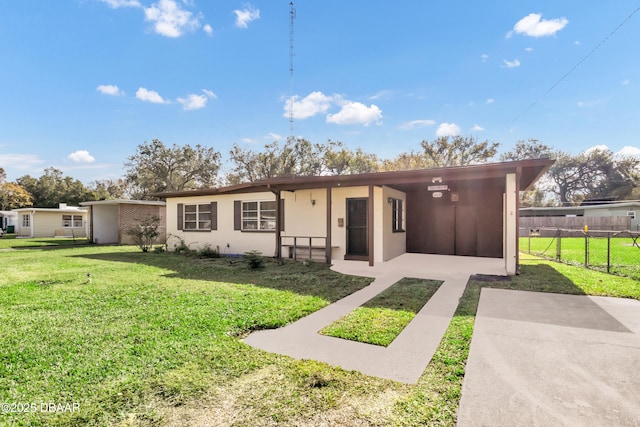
x: 541, y: 359
x: 407, y: 356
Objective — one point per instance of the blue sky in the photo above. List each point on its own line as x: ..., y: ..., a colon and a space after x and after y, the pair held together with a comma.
x: 83, y: 82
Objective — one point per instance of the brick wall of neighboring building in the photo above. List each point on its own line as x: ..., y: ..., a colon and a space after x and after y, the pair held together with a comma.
x: 132, y: 215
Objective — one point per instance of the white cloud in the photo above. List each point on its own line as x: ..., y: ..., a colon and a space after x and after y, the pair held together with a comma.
x: 111, y: 90
x: 448, y: 129
x: 383, y: 94
x: 169, y: 19
x: 577, y: 43
x: 115, y: 4
x: 600, y: 147
x: 356, y: 113
x: 477, y: 128
x: 628, y: 151
x: 626, y: 82
x: 590, y: 104
x: 484, y: 57
x: 245, y: 16
x: 416, y: 124
x: 208, y: 29
x: 209, y: 93
x: 152, y: 96
x: 490, y: 101
x: 274, y: 136
x: 81, y: 156
x: 20, y: 161
x: 532, y: 25
x: 511, y: 64
x: 314, y: 103
x: 193, y: 102
x: 528, y: 49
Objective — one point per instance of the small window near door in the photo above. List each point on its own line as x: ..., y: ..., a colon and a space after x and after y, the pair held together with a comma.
x: 26, y: 221
x: 397, y: 215
x: 632, y: 214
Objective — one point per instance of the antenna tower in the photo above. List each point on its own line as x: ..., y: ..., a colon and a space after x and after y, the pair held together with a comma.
x: 292, y: 17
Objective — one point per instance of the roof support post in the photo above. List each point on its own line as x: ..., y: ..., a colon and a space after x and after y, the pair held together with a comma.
x: 278, y: 226
x: 328, y: 239
x: 518, y: 176
x: 370, y: 231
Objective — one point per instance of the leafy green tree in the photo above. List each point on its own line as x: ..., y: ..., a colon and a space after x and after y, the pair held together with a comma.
x: 529, y: 149
x: 532, y: 149
x: 107, y: 189
x: 156, y: 168
x: 12, y: 195
x: 445, y: 152
x: 52, y: 188
x: 593, y: 174
x: 298, y: 157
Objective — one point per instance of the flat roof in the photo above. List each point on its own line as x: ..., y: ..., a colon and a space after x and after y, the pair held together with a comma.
x: 124, y: 202
x: 68, y: 209
x: 530, y: 170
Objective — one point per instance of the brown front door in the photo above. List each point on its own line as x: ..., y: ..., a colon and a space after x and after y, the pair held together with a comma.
x: 357, y: 221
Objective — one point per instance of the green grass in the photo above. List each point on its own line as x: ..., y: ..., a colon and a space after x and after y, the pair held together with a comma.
x: 381, y: 319
x: 155, y: 340
x: 10, y: 242
x: 624, y: 258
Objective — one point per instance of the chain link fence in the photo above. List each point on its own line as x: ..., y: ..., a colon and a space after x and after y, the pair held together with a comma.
x: 615, y: 252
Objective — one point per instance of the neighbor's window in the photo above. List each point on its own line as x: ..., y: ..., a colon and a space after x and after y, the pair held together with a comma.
x: 397, y: 214
x: 72, y: 221
x: 26, y: 220
x: 632, y: 214
x: 197, y: 217
x: 259, y: 215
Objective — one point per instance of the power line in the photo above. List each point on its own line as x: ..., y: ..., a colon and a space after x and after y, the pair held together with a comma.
x: 292, y: 17
x: 603, y: 41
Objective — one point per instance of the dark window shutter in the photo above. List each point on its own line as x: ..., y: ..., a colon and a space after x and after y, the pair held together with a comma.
x: 180, y: 216
x: 214, y: 215
x: 237, y: 215
x: 281, y: 214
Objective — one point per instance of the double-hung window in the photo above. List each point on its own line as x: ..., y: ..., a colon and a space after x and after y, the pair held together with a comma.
x: 72, y: 221
x: 197, y: 217
x: 397, y: 214
x: 259, y: 215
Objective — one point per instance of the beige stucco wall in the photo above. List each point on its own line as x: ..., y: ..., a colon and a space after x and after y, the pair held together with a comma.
x: 394, y: 244
x: 239, y: 241
x: 510, y: 225
x: 305, y: 215
x: 49, y: 224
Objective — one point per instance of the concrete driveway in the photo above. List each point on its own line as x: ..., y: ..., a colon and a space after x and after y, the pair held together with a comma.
x: 540, y: 359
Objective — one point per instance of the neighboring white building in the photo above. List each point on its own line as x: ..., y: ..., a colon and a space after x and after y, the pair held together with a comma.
x: 624, y: 215
x: 64, y: 221
x: 468, y: 210
x: 8, y: 219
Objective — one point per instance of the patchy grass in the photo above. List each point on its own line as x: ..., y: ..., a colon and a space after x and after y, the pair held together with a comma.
x: 381, y: 319
x: 11, y: 242
x: 152, y: 340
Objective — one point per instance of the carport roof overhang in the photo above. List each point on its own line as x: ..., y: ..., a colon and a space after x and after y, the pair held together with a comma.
x: 528, y: 172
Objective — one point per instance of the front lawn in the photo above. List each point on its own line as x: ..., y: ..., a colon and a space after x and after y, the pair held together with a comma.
x: 156, y: 339
x: 11, y: 242
x: 381, y: 319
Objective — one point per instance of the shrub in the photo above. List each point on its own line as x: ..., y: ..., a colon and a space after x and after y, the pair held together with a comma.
x: 144, y: 235
x: 208, y: 252
x: 254, y: 259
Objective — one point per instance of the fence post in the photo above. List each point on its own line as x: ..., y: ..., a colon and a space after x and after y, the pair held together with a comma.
x: 558, y: 245
x: 608, y: 252
x: 586, y: 250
